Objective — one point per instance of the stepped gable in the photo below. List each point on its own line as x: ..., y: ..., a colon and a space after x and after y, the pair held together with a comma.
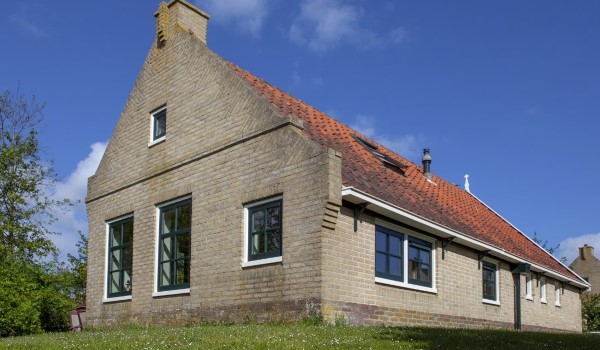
x: 440, y: 201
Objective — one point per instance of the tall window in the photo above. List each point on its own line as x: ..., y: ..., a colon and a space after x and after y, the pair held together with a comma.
x: 543, y: 290
x: 419, y: 262
x: 159, y: 124
x: 120, y: 253
x: 174, y: 246
x: 557, y: 290
x: 528, y: 287
x: 490, y: 281
x: 403, y: 260
x: 264, y: 230
x: 388, y: 254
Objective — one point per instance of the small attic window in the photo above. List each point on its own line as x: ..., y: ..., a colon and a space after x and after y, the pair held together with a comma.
x: 387, y: 161
x: 158, y: 125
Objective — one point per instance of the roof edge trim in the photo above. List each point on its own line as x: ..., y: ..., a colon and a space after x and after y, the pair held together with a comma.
x: 530, y: 239
x: 350, y: 192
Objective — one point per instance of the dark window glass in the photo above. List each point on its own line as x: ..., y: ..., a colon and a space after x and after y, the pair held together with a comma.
x: 160, y: 124
x: 174, y: 246
x: 489, y: 281
x: 265, y: 231
x: 120, y: 256
x: 419, y: 262
x: 388, y: 254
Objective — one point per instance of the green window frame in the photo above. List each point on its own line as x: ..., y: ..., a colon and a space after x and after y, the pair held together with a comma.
x: 419, y: 262
x: 159, y: 123
x: 120, y: 257
x: 389, y: 248
x: 265, y: 230
x: 489, y: 279
x: 174, y: 246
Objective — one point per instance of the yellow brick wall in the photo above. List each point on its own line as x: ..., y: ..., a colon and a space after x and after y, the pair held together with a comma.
x: 349, y: 288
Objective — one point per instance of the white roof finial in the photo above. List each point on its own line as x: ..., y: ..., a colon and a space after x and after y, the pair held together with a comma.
x: 467, y: 183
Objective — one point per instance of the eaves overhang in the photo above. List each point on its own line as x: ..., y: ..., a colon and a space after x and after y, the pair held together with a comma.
x: 377, y: 205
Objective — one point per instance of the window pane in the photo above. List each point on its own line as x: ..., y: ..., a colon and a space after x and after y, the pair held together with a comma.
x: 127, y: 257
x: 395, y: 246
x: 273, y: 241
x: 183, y: 245
x: 395, y: 266
x: 425, y: 256
x: 273, y: 218
x: 116, y: 235
x: 424, y: 273
x: 165, y: 274
x: 127, y: 280
x: 380, y: 262
x: 413, y: 253
x: 258, y: 242
x: 160, y: 123
x: 413, y: 269
x: 167, y: 253
x: 183, y: 271
x: 258, y: 221
x: 115, y: 281
x: 380, y: 241
x: 169, y: 221
x: 115, y: 260
x: 183, y: 216
x: 127, y: 232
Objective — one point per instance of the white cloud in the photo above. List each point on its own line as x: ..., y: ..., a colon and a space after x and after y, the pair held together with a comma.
x: 75, y: 189
x: 323, y: 25
x: 29, y: 17
x: 407, y: 146
x: 247, y: 15
x: 569, y: 246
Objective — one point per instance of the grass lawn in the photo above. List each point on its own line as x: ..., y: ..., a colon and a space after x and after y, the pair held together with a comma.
x: 299, y: 336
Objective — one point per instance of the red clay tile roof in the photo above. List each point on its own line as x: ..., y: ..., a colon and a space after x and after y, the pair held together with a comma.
x: 443, y: 203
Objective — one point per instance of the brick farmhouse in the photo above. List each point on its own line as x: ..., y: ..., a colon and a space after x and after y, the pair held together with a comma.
x: 222, y: 198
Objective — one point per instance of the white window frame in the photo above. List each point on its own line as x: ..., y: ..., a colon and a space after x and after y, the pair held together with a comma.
x: 557, y: 291
x: 497, y: 276
x: 405, y: 284
x: 105, y: 298
x: 543, y: 290
x: 528, y: 287
x: 246, y: 239
x: 155, y: 292
x: 162, y: 138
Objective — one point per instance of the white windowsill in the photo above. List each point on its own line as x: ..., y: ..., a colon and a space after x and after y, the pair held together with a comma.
x: 158, y: 140
x: 543, y: 301
x: 529, y: 297
x: 491, y: 302
x: 171, y: 292
x: 262, y: 261
x: 405, y: 285
x: 111, y: 300
x: 557, y: 305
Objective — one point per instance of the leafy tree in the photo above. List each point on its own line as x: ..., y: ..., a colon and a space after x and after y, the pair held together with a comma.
x: 590, y: 308
x: 78, y: 271
x: 26, y: 206
x: 32, y: 297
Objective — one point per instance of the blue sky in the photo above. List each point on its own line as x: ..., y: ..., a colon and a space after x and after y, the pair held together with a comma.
x: 505, y: 91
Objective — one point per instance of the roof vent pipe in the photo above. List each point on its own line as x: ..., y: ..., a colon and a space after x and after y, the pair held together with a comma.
x: 426, y: 164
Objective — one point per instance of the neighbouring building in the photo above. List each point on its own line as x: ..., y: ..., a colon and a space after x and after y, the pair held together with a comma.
x: 587, y: 266
x: 221, y: 197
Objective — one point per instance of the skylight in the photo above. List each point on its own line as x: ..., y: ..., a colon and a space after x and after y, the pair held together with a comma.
x: 386, y: 160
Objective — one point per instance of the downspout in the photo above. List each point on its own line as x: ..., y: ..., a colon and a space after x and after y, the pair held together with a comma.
x: 521, y: 269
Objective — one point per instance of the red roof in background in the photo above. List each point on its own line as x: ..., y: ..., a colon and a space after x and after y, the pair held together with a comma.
x: 442, y: 202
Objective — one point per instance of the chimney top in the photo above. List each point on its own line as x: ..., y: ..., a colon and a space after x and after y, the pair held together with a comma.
x: 182, y: 14
x: 426, y: 160
x: 586, y: 251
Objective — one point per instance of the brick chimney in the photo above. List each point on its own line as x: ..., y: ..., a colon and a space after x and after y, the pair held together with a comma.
x: 182, y: 14
x: 586, y: 252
